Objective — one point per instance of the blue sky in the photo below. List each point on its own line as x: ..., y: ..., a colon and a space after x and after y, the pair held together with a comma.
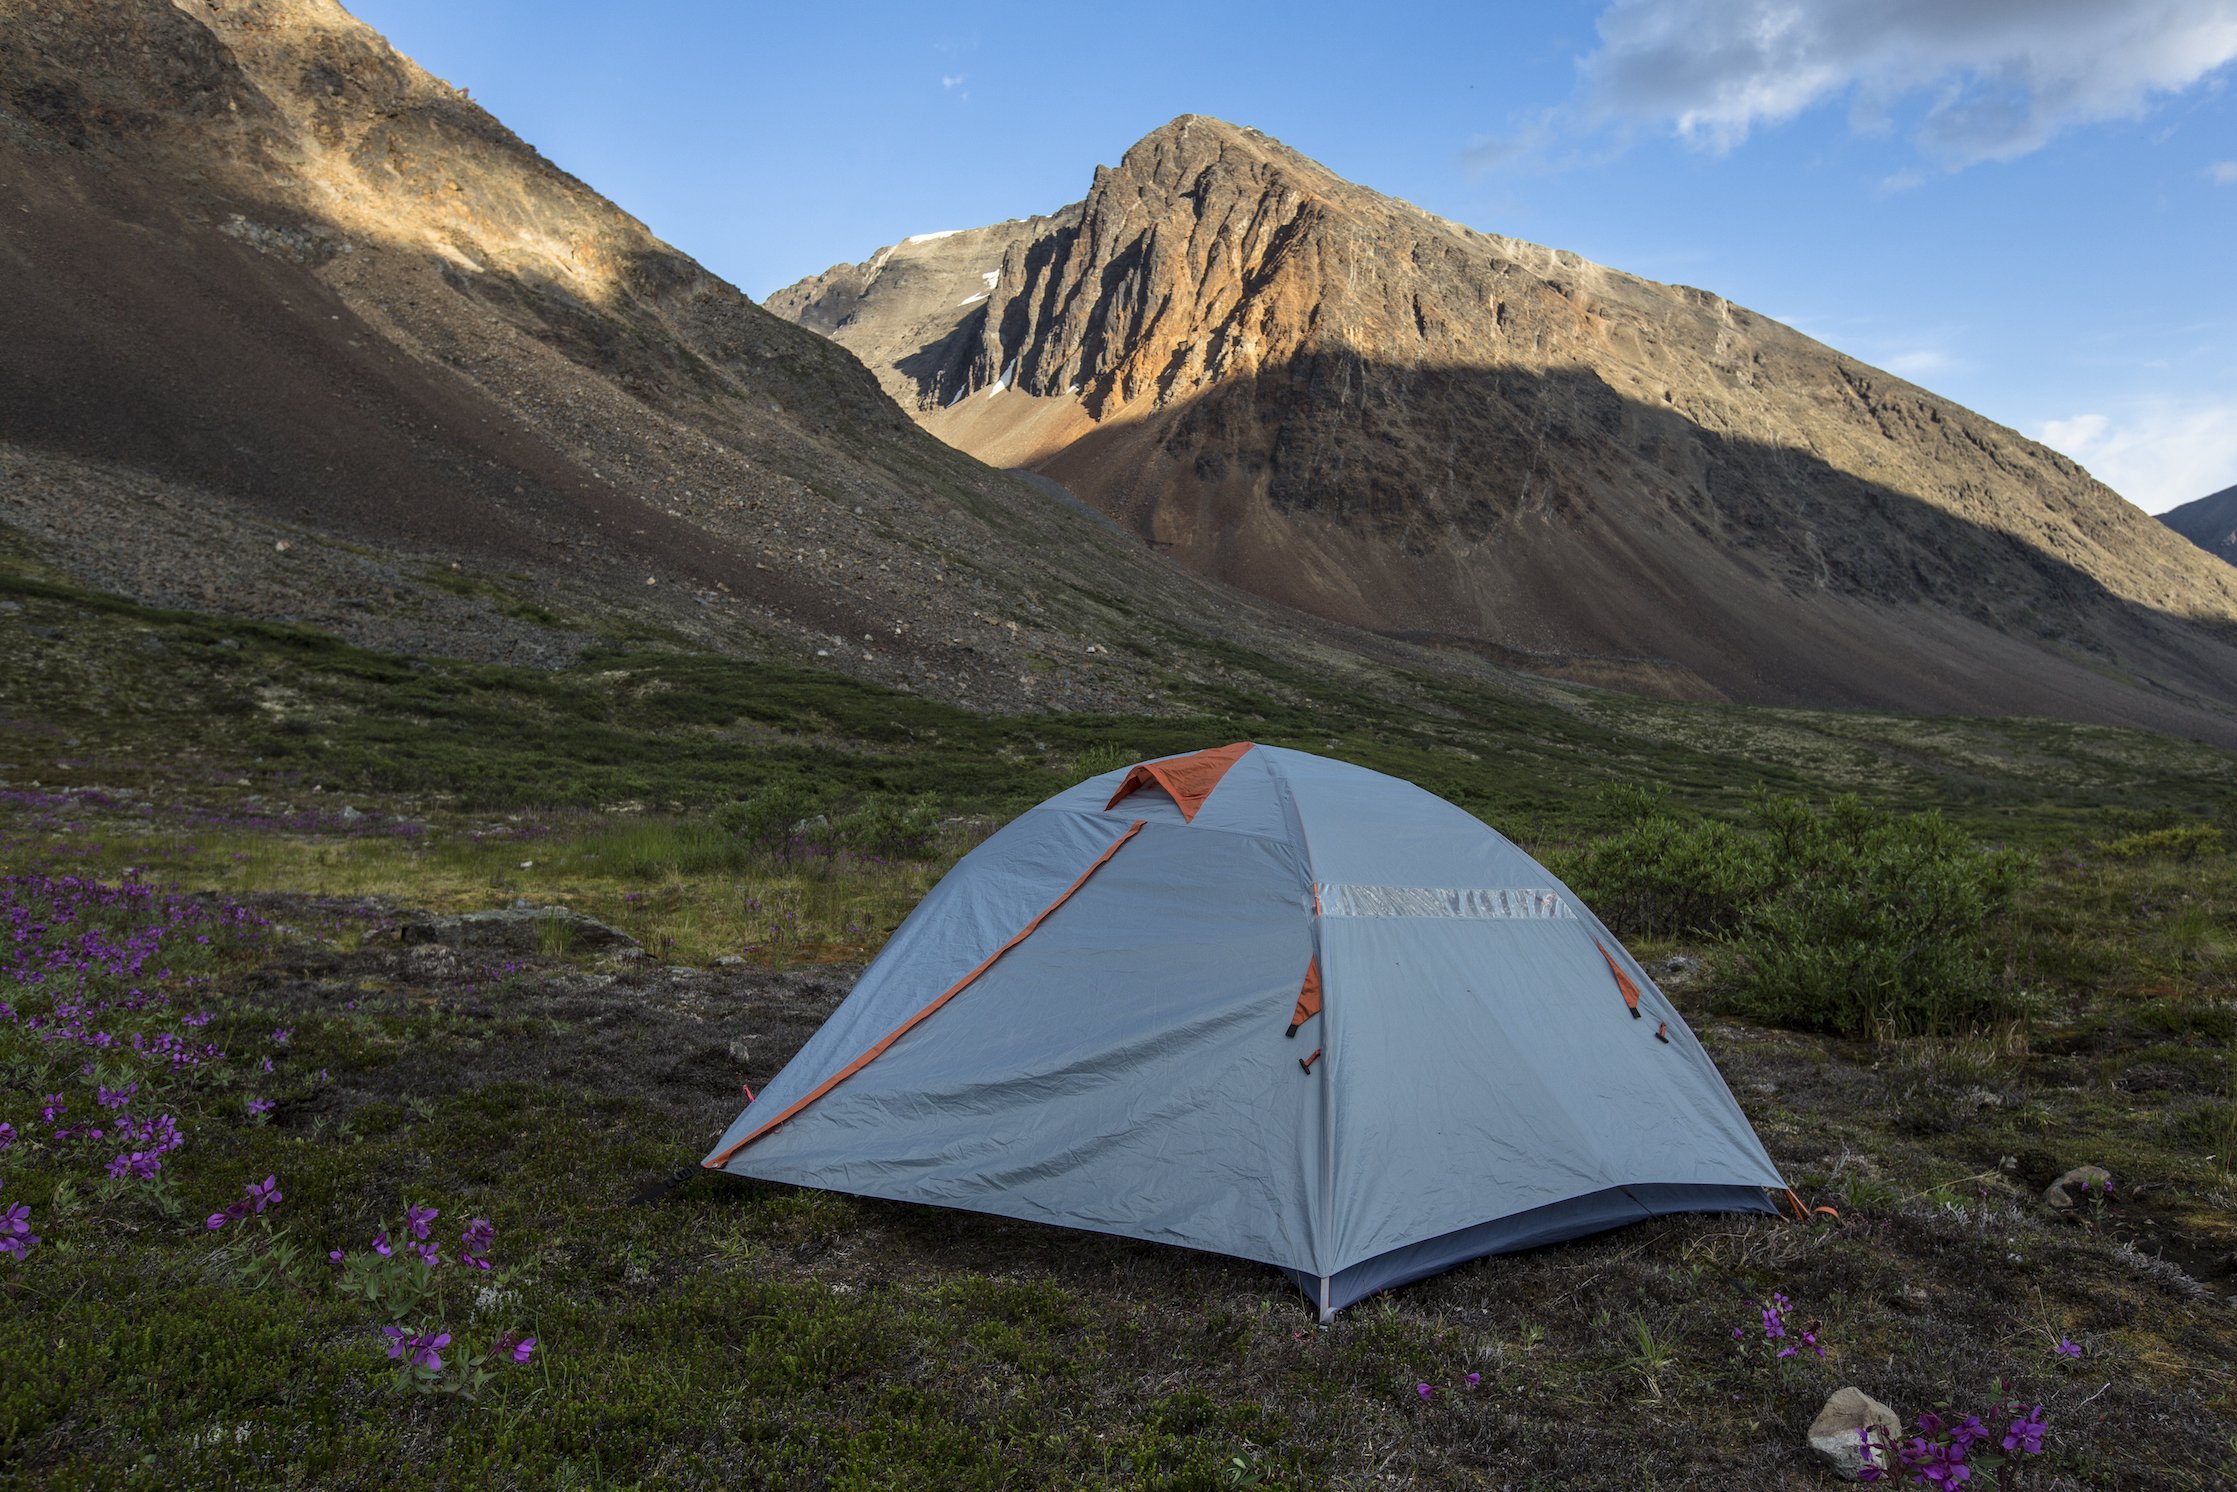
x: 2029, y: 206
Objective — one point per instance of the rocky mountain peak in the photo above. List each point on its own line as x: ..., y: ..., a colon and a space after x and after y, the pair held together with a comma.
x: 1178, y: 154
x: 1335, y: 399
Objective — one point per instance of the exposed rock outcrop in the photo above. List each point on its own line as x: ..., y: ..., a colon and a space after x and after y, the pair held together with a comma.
x: 1344, y: 403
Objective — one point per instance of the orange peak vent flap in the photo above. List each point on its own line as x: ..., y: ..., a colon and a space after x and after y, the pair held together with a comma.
x: 1188, y: 780
x: 1308, y: 999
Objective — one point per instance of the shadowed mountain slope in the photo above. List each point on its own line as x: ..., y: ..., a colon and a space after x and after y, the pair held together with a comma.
x: 2209, y: 522
x: 1336, y: 400
x: 292, y: 328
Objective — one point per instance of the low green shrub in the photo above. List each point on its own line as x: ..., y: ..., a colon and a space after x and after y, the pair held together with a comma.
x: 1879, y: 923
x: 2185, y: 842
x: 1095, y: 760
x: 895, y: 828
x: 1857, y: 919
x: 766, y: 820
x: 1667, y: 874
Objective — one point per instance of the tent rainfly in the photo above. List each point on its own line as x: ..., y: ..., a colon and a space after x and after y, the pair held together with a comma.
x: 1258, y: 1002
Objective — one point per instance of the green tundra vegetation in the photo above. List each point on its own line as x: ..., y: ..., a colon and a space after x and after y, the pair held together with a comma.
x: 1939, y: 962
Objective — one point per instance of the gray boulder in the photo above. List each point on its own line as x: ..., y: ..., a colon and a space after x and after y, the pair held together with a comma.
x: 1836, y: 1433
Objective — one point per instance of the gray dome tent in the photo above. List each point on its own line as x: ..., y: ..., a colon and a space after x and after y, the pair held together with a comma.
x: 1258, y: 1002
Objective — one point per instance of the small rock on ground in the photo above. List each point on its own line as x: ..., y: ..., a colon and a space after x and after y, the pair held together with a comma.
x: 1833, y: 1434
x: 2065, y: 1194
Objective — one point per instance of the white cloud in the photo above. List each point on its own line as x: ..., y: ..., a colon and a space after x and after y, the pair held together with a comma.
x: 2075, y: 435
x: 2157, y: 454
x: 2223, y: 172
x: 1997, y: 78
x: 951, y: 80
x: 1919, y: 362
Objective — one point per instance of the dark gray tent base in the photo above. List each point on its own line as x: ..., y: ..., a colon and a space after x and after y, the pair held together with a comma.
x: 1595, y: 1212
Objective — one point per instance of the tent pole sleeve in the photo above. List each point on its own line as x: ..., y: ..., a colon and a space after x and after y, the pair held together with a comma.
x: 946, y: 995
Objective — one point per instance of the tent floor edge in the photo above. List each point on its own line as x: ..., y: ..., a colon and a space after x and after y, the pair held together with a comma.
x: 1556, y: 1222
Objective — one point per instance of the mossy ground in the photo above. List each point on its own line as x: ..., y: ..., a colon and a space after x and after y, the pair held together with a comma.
x: 744, y: 1335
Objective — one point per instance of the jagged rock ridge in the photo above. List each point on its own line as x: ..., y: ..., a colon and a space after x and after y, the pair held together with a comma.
x: 1344, y: 403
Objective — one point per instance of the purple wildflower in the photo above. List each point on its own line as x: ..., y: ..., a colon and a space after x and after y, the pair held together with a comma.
x: 1946, y: 1470
x: 1775, y: 1328
x: 1868, y: 1456
x: 7, y: 1135
x: 336, y: 1257
x: 53, y: 1108
x: 380, y: 1244
x: 259, y: 1107
x: 265, y: 1193
x: 280, y: 1036
x: 1424, y: 1390
x: 516, y: 1348
x: 2068, y: 1348
x: 16, y: 1237
x: 2026, y: 1432
x: 422, y: 1350
x: 419, y: 1219
x: 1474, y: 1379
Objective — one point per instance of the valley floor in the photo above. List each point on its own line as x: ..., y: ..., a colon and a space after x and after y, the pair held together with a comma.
x: 738, y: 1334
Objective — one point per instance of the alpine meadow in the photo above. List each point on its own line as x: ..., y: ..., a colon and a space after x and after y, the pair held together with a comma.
x: 1225, y: 833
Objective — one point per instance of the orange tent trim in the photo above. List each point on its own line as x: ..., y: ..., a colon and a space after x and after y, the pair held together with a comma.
x: 1624, y: 985
x: 1308, y: 1001
x: 946, y: 995
x: 1188, y: 780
